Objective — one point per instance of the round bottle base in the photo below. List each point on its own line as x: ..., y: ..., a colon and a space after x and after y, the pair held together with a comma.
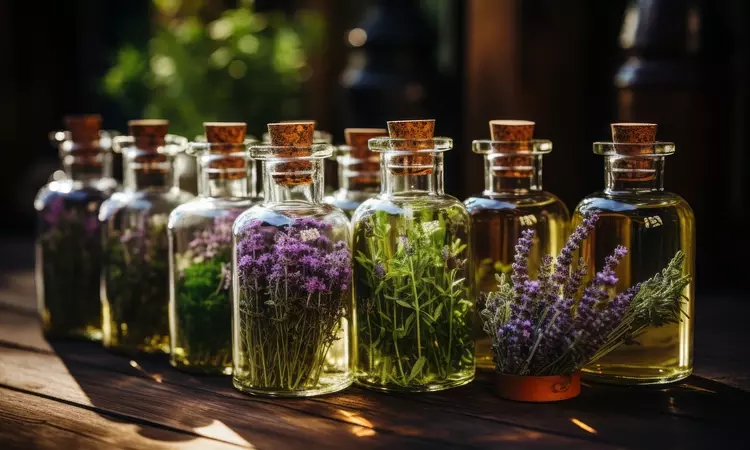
x: 636, y: 377
x: 329, y: 385
x: 434, y: 387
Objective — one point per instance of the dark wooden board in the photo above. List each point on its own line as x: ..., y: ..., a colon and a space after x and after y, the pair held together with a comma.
x: 28, y: 421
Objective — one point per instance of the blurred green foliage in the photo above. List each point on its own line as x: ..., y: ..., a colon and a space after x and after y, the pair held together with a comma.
x: 235, y: 65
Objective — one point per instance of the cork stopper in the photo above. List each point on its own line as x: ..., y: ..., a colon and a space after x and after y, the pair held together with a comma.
x: 415, y: 132
x: 511, y: 130
x: 634, y: 168
x: 294, y: 139
x: 512, y: 136
x: 84, y: 129
x: 368, y: 163
x: 148, y: 136
x: 222, y: 165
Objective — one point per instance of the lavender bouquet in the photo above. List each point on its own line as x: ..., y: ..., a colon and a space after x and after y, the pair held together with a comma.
x: 294, y: 292
x: 202, y: 306
x: 543, y: 327
x: 68, y: 262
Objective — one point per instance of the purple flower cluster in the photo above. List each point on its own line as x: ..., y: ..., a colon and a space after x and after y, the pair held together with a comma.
x: 56, y: 216
x: 215, y: 240
x: 547, y: 330
x: 299, y: 257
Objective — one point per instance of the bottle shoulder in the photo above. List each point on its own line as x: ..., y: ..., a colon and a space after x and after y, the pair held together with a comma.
x: 156, y: 202
x: 526, y: 203
x: 70, y: 192
x: 208, y: 208
x: 410, y: 206
x: 289, y: 213
x: 631, y: 202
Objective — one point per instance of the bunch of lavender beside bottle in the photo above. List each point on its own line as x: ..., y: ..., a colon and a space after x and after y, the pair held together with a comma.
x: 557, y: 324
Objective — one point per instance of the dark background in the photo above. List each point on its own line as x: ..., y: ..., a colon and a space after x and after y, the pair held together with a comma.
x: 571, y: 66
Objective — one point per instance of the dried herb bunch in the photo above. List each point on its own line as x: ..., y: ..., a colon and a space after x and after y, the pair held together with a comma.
x: 544, y: 327
x: 294, y: 291
x: 70, y: 254
x: 137, y: 285
x: 203, y: 305
x: 412, y: 291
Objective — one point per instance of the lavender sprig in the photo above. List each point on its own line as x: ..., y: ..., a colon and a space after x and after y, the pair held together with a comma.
x: 542, y: 327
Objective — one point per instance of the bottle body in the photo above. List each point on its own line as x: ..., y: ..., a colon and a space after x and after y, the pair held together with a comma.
x: 412, y: 293
x: 69, y: 257
x: 135, y: 289
x: 498, y: 220
x: 292, y: 310
x: 200, y: 302
x: 654, y: 226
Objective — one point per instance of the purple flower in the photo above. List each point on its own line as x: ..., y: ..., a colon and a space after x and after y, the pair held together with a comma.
x: 54, y: 210
x: 379, y: 271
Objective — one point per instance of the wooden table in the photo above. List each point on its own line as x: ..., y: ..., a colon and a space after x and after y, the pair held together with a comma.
x: 76, y: 395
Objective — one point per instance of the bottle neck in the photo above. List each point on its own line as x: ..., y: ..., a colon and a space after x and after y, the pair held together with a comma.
x: 512, y: 174
x: 217, y: 180
x: 303, y: 182
x: 354, y: 180
x: 87, y: 167
x: 633, y: 174
x: 419, y: 173
x: 140, y: 176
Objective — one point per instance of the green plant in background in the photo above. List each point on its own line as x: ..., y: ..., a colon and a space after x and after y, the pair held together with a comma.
x: 202, y: 66
x: 413, y: 302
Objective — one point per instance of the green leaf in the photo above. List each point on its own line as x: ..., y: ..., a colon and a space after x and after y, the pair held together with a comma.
x: 417, y: 367
x: 404, y: 304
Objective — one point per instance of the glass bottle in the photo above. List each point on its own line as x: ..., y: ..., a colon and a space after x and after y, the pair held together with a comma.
x: 319, y: 137
x: 292, y: 280
x: 358, y: 169
x: 200, y: 251
x: 513, y: 200
x: 68, y: 247
x: 135, y: 277
x: 635, y: 211
x: 412, y: 270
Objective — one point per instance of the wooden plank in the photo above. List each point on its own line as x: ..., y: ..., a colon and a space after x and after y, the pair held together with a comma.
x: 361, y: 412
x: 137, y: 398
x: 28, y: 421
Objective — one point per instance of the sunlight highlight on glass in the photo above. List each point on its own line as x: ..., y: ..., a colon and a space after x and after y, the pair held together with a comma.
x: 583, y: 426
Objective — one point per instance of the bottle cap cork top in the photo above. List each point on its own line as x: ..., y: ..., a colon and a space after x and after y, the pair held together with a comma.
x: 84, y: 129
x: 511, y: 130
x: 156, y: 128
x: 357, y: 139
x: 411, y: 129
x: 225, y: 132
x: 291, y: 134
x: 633, y: 133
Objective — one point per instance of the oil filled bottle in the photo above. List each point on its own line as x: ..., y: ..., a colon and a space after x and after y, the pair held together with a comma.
x: 513, y: 200
x: 635, y: 211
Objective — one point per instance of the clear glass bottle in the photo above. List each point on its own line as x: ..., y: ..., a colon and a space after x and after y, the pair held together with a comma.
x: 135, y: 277
x: 513, y: 200
x: 412, y: 270
x: 292, y: 305
x: 358, y: 170
x: 635, y: 211
x: 200, y: 251
x: 68, y: 246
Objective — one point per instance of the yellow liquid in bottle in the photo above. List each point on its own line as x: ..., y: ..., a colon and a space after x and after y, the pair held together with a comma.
x: 497, y: 223
x: 653, y: 226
